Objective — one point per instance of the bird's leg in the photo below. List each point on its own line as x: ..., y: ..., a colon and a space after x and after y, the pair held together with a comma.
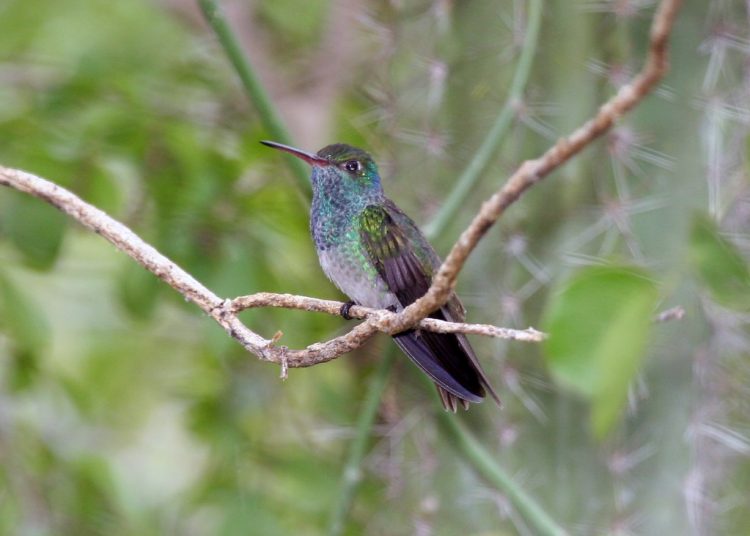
x: 344, y: 311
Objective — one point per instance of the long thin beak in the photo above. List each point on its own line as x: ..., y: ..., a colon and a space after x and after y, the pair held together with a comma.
x: 310, y: 158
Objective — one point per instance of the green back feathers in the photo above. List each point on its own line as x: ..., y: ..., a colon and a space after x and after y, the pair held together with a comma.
x: 383, y: 239
x: 392, y: 253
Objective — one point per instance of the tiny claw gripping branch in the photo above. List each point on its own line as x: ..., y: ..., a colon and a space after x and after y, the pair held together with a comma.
x: 529, y: 173
x: 344, y: 311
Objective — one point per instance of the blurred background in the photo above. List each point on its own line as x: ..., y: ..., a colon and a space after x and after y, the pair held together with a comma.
x: 124, y: 410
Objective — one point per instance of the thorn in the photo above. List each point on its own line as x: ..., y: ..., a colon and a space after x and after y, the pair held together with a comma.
x: 675, y: 313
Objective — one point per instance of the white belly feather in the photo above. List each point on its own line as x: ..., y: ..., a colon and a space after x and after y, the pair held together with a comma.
x: 361, y: 285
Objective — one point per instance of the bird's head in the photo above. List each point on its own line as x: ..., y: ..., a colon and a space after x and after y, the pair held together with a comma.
x: 338, y: 167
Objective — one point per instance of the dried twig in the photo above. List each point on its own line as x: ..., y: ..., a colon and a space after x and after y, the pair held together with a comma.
x: 225, y: 311
x: 532, y: 171
x: 380, y: 317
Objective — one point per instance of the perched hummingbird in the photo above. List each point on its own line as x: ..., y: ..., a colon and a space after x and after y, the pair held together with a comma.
x: 376, y: 255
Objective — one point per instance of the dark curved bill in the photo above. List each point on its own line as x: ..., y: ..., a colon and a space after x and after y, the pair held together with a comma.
x: 310, y: 158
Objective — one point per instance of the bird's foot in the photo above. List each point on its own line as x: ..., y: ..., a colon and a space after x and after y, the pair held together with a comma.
x: 344, y: 311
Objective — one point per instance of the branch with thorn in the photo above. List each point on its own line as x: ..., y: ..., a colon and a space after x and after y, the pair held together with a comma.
x: 225, y: 311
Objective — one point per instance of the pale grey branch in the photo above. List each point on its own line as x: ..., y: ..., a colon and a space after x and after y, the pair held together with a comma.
x: 382, y: 319
x: 532, y: 171
x: 224, y: 311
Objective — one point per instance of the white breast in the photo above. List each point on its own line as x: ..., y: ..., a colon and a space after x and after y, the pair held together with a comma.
x: 355, y: 282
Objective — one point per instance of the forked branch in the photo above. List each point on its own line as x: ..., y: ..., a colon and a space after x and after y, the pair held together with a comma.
x: 532, y: 171
x: 225, y: 311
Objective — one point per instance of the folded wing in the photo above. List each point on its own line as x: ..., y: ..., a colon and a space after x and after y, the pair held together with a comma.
x: 405, y: 260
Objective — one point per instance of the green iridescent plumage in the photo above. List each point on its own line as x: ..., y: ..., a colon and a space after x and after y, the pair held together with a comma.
x: 377, y: 256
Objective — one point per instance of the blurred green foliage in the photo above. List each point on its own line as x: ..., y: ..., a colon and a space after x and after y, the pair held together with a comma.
x: 598, y: 325
x: 123, y: 410
x: 721, y: 268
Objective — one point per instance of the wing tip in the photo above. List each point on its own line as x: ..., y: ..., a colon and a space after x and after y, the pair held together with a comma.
x: 493, y: 394
x: 451, y: 401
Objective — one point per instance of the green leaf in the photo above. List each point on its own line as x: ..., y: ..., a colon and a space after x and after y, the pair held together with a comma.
x: 138, y: 290
x: 598, y: 325
x: 27, y: 327
x: 35, y: 228
x: 102, y: 191
x: 719, y: 266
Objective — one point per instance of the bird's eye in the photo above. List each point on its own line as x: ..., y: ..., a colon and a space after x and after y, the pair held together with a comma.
x: 352, y: 165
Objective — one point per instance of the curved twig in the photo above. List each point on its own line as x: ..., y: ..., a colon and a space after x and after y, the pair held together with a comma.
x: 225, y: 311
x: 532, y: 171
x: 380, y: 318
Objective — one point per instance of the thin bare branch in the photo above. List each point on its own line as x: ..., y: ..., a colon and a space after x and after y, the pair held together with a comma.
x: 144, y: 254
x: 532, y: 171
x: 224, y: 311
x: 381, y: 318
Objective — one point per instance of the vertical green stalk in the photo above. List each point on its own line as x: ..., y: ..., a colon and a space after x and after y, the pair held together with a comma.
x: 351, y: 475
x: 472, y: 450
x: 273, y: 123
x: 488, y: 468
x: 474, y: 453
x: 478, y: 164
x: 255, y: 91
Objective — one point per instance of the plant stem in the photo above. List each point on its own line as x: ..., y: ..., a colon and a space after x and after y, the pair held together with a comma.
x: 488, y: 468
x: 257, y: 94
x: 478, y: 164
x: 272, y: 122
x: 462, y: 439
x: 484, y: 464
x: 351, y: 475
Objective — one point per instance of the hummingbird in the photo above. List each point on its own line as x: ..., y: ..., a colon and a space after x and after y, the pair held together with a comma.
x: 378, y: 257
